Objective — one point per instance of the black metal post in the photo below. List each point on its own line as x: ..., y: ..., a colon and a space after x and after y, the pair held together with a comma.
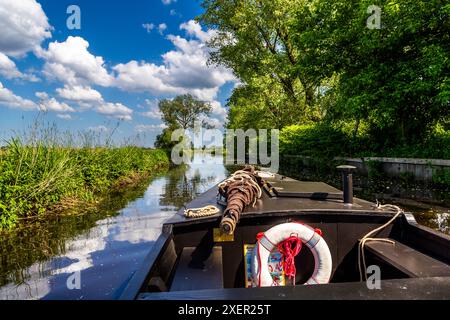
x: 347, y: 182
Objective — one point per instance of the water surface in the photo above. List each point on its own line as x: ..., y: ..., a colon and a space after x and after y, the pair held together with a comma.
x: 106, y: 248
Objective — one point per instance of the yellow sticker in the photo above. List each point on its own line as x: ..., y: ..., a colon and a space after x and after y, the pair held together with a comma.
x: 222, y: 237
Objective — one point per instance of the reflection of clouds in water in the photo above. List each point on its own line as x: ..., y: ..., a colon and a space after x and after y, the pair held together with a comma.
x: 141, y: 230
x: 111, y: 251
x: 33, y: 289
x: 149, y: 203
x: 36, y: 286
x: 107, y: 236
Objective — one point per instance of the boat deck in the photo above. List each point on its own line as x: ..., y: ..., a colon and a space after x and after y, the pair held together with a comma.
x: 189, y: 262
x: 313, y: 198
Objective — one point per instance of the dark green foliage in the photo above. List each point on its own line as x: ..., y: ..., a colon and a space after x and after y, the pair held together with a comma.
x: 164, y: 140
x: 395, y: 79
x: 183, y: 111
x: 374, y: 170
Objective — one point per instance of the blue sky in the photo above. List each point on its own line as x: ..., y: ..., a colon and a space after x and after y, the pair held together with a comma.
x: 125, y: 58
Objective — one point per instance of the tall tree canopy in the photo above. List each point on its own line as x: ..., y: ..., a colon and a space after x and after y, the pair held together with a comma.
x: 395, y: 78
x: 317, y: 60
x: 255, y: 40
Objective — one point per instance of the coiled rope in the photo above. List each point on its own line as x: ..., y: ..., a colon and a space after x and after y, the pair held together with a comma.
x: 361, y: 255
x: 241, y: 189
x: 206, y: 211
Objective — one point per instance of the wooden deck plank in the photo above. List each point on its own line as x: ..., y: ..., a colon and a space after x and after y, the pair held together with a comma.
x: 411, y: 262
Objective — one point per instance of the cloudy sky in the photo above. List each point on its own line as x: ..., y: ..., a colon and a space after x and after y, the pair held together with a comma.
x: 125, y: 58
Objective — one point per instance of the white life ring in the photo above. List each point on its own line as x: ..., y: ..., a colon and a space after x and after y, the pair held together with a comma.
x: 275, y: 235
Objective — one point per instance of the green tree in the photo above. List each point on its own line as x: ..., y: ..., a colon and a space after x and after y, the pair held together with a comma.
x: 164, y: 139
x: 183, y: 111
x: 180, y: 113
x: 395, y: 79
x: 255, y: 40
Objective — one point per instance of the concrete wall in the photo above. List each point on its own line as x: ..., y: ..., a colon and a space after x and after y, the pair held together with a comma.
x: 420, y: 169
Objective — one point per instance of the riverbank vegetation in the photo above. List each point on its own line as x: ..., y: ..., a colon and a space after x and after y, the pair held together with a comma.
x: 327, y: 141
x: 44, y: 174
x: 339, y: 78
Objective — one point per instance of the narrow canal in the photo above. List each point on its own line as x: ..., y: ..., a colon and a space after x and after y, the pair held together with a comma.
x: 38, y: 259
x: 106, y: 247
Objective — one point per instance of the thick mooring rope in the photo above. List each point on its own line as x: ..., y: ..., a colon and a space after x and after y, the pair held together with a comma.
x: 206, y: 211
x: 361, y: 256
x: 240, y: 190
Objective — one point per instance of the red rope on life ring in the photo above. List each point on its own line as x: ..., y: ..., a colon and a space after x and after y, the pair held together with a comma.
x: 290, y: 248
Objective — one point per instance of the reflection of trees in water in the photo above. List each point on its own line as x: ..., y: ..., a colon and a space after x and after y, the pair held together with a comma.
x: 181, y: 188
x: 39, y: 240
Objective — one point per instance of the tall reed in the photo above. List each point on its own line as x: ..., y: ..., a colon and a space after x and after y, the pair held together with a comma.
x: 46, y: 169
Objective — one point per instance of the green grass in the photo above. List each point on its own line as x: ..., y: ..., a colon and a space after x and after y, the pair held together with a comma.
x: 46, y: 175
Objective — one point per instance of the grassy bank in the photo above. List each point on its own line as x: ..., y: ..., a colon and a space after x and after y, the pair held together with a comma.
x: 39, y: 178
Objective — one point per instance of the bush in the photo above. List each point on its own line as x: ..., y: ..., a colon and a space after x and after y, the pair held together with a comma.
x: 314, y: 140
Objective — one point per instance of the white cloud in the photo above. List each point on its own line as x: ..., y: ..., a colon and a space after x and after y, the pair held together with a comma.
x: 9, y: 70
x: 218, y: 111
x: 10, y: 100
x: 54, y: 105
x: 141, y: 76
x: 153, y: 112
x: 214, y: 123
x: 42, y: 95
x: 47, y: 103
x: 88, y: 98
x: 79, y: 94
x: 161, y: 28
x: 148, y: 26
x: 64, y: 116
x: 167, y: 2
x: 193, y: 28
x: 184, y: 70
x: 149, y: 127
x: 115, y: 110
x: 70, y: 62
x: 23, y: 26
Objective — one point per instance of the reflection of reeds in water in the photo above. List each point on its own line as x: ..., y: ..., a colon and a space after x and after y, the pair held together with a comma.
x: 44, y: 170
x: 46, y: 237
